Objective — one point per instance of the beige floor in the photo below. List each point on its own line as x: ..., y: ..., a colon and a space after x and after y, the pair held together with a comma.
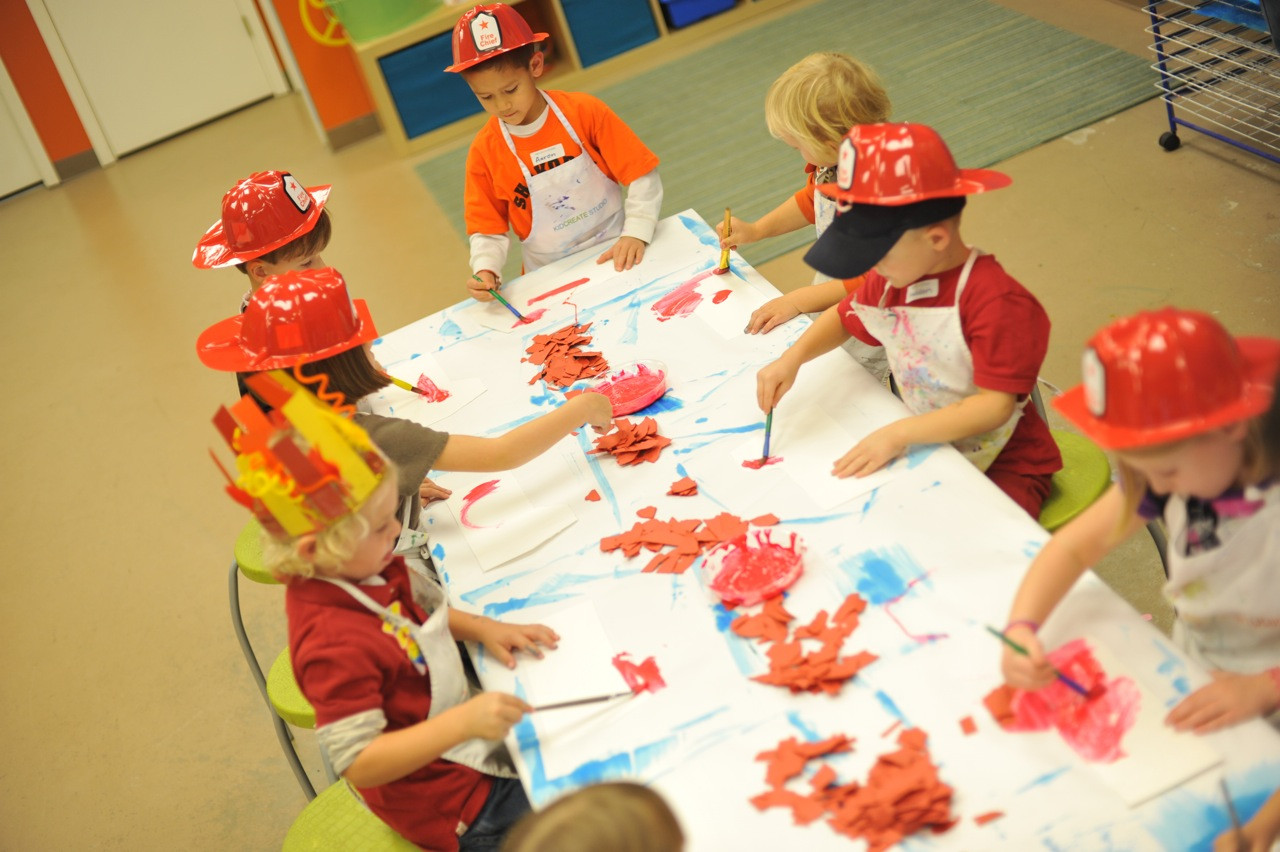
x: 128, y: 719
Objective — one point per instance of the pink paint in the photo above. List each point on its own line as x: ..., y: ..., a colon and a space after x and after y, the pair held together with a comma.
x: 1093, y: 726
x: 430, y: 391
x: 922, y: 638
x: 561, y: 289
x: 756, y: 464
x: 721, y: 296
x: 631, y: 390
x: 482, y: 490
x: 752, y: 567
x: 642, y: 677
x: 532, y: 316
x: 681, y: 301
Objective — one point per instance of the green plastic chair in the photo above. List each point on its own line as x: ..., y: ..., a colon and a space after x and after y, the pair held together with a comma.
x: 285, y: 696
x: 337, y: 821
x: 1085, y: 475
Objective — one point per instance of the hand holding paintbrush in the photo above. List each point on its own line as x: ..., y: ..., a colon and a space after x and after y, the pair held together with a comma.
x: 1021, y: 650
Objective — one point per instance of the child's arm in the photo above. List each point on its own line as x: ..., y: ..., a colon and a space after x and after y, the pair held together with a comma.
x: 804, y: 300
x: 1071, y: 550
x: 429, y: 491
x: 527, y: 441
x: 1256, y: 835
x: 642, y: 205
x: 774, y: 380
x: 393, y: 755
x: 500, y: 639
x: 783, y: 219
x: 973, y: 415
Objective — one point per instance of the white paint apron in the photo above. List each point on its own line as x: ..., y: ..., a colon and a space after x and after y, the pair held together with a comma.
x: 574, y: 205
x: 413, y: 543
x: 1228, y: 597
x: 434, y: 653
x: 931, y: 362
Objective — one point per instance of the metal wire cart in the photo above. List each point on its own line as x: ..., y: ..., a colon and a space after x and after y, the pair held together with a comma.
x: 1219, y: 66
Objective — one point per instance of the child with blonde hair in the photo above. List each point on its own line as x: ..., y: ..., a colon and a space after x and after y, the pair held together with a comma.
x: 374, y: 649
x: 1178, y: 402
x: 616, y: 816
x: 810, y: 108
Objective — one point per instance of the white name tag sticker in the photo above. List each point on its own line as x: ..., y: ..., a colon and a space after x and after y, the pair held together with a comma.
x: 922, y: 290
x: 546, y: 155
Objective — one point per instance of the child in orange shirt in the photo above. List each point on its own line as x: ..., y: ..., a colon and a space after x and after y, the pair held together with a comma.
x: 548, y: 165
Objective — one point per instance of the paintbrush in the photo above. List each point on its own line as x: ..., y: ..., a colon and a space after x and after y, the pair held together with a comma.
x: 1024, y: 652
x: 577, y: 702
x: 1231, y: 811
x: 401, y: 383
x: 724, y: 252
x: 768, y: 430
x: 504, y: 302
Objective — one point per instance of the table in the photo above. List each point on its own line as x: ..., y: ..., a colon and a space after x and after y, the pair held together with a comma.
x: 935, y: 549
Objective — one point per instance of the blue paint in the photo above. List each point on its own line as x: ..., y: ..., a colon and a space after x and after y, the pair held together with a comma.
x: 1044, y: 779
x: 680, y: 470
x: 816, y: 519
x: 449, y: 328
x: 593, y: 462
x: 548, y: 592
x: 729, y: 430
x: 1031, y: 548
x: 806, y: 730
x: 519, y: 421
x: 682, y: 726
x: 701, y: 230
x: 631, y: 334
x: 663, y: 403
x: 1186, y: 820
x: 548, y: 397
x: 437, y: 553
x: 724, y: 617
x: 701, y: 420
x: 880, y: 575
x: 483, y: 591
x: 871, y: 501
x: 1175, y: 670
x: 919, y: 453
x: 892, y: 709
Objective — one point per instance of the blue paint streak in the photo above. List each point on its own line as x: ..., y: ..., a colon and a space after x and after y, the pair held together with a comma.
x: 1189, y: 821
x: 729, y: 430
x: 724, y: 617
x: 593, y: 462
x: 680, y: 470
x: 1044, y: 779
x: 701, y: 420
x: 702, y: 231
x: 881, y: 575
x: 1031, y: 548
x: 887, y: 703
x: 1175, y: 670
x: 546, y: 593
x: 450, y: 328
x: 682, y: 726
x: 919, y: 453
x: 437, y: 553
x: 816, y: 519
x: 663, y: 403
x: 871, y: 501
x: 483, y: 591
x: 808, y: 731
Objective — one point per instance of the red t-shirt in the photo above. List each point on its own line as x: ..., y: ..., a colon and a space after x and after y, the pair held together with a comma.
x: 495, y: 195
x: 1007, y: 332
x: 345, y: 664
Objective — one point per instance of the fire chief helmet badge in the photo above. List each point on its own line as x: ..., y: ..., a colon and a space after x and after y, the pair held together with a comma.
x: 1094, y: 377
x: 296, y: 192
x: 845, y: 163
x: 486, y: 34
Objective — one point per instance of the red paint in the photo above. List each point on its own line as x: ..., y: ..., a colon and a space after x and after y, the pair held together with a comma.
x: 561, y: 289
x: 989, y: 816
x: 532, y: 316
x: 1093, y: 726
x: 721, y: 296
x: 752, y: 567
x: 756, y: 464
x: 630, y: 391
x: 642, y: 677
x: 430, y: 391
x: 681, y: 301
x: 482, y: 490
x: 922, y: 638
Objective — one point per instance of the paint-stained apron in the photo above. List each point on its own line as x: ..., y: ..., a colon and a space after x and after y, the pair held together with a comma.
x: 434, y: 653
x: 573, y: 206
x: 1228, y: 597
x: 931, y: 361
x: 412, y: 544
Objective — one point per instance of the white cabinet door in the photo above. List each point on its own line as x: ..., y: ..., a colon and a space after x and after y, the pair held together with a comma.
x: 151, y: 68
x: 17, y: 169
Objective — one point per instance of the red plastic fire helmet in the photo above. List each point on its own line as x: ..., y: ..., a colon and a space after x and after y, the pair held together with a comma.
x: 261, y: 213
x: 300, y: 316
x: 892, y: 164
x: 485, y: 31
x: 1162, y: 376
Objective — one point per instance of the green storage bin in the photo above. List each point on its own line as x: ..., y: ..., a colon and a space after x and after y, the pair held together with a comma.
x: 366, y: 20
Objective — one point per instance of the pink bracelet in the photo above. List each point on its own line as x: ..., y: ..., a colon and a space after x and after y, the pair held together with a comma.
x: 1034, y: 626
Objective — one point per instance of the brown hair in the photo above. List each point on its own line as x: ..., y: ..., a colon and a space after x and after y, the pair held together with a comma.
x: 616, y: 816
x: 311, y: 243
x: 819, y: 98
x: 351, y: 373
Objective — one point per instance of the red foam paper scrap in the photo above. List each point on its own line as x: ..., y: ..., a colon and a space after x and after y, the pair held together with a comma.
x: 647, y: 512
x: 689, y: 539
x: 768, y: 520
x: 968, y: 726
x: 998, y: 702
x: 562, y: 358
x: 593, y: 496
x: 819, y: 670
x: 683, y: 488
x: 632, y: 443
x: 989, y: 816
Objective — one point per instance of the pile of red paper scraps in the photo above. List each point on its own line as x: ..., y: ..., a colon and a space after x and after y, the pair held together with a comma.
x: 632, y: 443
x: 685, y: 487
x: 902, y: 793
x: 822, y: 670
x: 687, y: 539
x: 562, y: 358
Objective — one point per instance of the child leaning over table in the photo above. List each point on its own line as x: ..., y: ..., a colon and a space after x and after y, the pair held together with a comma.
x: 964, y: 340
x: 810, y: 108
x: 616, y: 816
x: 548, y: 165
x: 306, y: 322
x: 374, y: 649
x: 1177, y: 401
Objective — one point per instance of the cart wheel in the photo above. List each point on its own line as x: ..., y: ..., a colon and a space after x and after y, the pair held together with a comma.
x: 1169, y: 141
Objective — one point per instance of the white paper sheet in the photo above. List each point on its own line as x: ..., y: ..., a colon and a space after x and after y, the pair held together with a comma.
x: 503, y: 524
x: 730, y: 315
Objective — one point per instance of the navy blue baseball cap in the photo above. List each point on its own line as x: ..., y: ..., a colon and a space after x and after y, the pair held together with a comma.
x: 863, y: 234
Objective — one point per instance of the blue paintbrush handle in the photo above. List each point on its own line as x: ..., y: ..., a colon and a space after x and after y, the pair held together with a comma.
x: 768, y: 430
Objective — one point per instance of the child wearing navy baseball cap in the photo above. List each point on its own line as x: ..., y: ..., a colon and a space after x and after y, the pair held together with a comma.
x: 964, y: 340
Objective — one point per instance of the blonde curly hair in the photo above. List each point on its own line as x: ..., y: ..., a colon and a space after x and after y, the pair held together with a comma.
x: 818, y: 99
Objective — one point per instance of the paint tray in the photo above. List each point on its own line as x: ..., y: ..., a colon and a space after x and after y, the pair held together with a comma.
x: 633, y: 386
x: 753, y: 567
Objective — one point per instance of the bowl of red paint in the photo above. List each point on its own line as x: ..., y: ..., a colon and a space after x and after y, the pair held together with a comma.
x: 633, y: 386
x: 753, y: 567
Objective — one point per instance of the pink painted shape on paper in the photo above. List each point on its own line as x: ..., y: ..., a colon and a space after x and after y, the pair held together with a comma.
x: 681, y: 301
x: 1094, y: 727
x: 922, y: 638
x: 756, y: 464
x: 561, y: 289
x: 482, y: 490
x: 430, y: 391
x: 532, y: 316
x: 721, y: 296
x: 641, y: 677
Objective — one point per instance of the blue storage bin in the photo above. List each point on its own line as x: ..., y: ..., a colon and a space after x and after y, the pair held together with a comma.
x: 601, y: 30
x: 681, y: 13
x: 424, y: 94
